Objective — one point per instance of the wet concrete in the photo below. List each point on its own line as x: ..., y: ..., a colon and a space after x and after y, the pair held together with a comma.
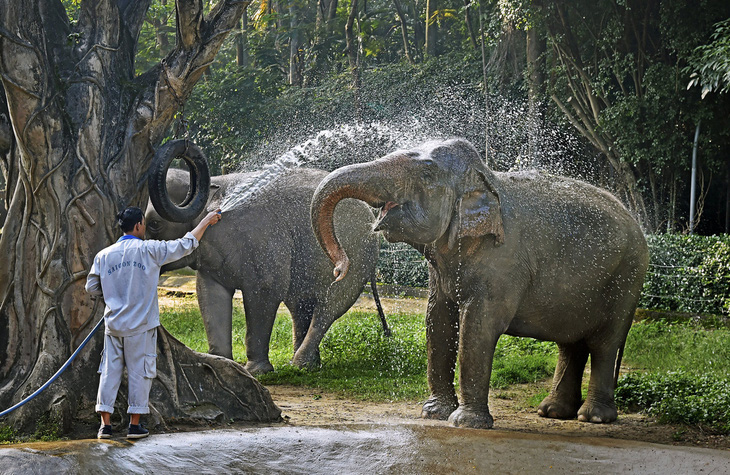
x: 360, y: 449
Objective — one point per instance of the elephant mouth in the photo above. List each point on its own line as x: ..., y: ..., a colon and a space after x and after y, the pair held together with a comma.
x: 387, y: 207
x: 381, y: 225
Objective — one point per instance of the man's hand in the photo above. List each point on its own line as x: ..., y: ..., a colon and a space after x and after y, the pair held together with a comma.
x: 210, y: 219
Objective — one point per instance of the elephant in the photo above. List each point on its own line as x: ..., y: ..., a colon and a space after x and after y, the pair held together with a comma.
x: 266, y: 248
x: 521, y: 253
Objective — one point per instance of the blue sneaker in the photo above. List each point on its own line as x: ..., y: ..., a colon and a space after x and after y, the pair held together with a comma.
x: 105, y: 432
x: 137, y: 432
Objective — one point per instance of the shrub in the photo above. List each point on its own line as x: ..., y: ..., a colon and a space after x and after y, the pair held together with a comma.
x: 400, y: 264
x: 688, y: 273
x: 678, y: 397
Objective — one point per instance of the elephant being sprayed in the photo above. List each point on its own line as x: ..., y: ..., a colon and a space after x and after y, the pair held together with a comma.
x: 265, y: 247
x: 525, y: 254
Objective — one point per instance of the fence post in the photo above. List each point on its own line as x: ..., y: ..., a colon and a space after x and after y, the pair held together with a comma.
x: 693, y: 185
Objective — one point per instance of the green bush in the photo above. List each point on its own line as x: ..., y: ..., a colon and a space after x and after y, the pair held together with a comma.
x: 400, y: 264
x: 7, y: 434
x: 687, y: 374
x: 688, y: 273
x: 678, y: 397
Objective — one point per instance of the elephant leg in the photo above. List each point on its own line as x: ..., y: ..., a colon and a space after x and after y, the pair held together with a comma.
x: 216, y: 308
x: 604, y: 346
x: 481, y: 323
x: 302, y: 313
x: 260, y: 307
x: 599, y: 405
x: 307, y: 356
x: 565, y: 397
x: 442, y: 340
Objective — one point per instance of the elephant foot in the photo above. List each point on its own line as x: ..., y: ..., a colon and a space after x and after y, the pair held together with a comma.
x: 259, y: 367
x: 439, y: 408
x: 306, y: 361
x: 598, y: 413
x: 555, y: 408
x: 472, y: 417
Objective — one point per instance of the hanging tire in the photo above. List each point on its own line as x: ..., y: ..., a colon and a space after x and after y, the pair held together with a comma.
x: 197, y: 197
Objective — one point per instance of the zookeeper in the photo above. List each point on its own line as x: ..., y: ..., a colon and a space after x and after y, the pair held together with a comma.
x: 126, y: 274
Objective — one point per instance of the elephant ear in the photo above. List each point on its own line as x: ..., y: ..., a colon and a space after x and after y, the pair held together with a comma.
x: 479, y: 211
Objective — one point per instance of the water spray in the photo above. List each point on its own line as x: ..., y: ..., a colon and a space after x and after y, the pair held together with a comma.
x: 312, y: 150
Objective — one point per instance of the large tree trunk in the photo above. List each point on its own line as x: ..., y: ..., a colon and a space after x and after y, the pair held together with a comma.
x: 84, y: 132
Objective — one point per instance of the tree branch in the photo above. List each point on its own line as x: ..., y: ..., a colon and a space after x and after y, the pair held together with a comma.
x: 189, y: 22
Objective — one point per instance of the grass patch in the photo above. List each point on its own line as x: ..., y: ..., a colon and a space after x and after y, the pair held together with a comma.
x: 7, y: 435
x: 662, y: 346
x: 48, y: 429
x: 684, y: 374
x: 357, y: 359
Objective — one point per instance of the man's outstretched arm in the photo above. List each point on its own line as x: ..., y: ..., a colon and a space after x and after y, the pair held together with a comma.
x: 210, y: 219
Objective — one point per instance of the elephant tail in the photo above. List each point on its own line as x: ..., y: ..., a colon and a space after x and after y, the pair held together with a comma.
x: 617, y: 368
x: 376, y: 297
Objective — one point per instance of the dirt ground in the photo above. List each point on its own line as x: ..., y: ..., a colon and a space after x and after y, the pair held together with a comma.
x: 312, y: 407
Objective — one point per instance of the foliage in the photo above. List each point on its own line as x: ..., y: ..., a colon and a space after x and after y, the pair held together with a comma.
x: 678, y: 397
x: 246, y: 118
x: 688, y: 273
x: 47, y: 429
x: 400, y: 264
x: 536, y: 361
x: 7, y: 434
x: 710, y: 66
x: 687, y: 374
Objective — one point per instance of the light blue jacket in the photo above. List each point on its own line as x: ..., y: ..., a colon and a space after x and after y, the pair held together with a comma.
x: 126, y: 274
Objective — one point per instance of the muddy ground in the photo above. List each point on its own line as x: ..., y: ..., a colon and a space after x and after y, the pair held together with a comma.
x: 509, y: 407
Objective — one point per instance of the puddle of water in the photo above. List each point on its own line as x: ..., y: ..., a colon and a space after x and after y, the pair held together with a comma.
x: 360, y: 449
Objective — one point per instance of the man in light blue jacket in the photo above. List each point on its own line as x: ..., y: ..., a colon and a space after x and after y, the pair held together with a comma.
x: 126, y: 275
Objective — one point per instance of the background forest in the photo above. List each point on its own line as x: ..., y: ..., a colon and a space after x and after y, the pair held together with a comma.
x: 612, y: 91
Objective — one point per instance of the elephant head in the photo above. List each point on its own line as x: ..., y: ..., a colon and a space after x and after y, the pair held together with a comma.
x: 437, y: 193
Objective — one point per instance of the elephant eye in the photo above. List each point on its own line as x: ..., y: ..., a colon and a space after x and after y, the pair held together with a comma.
x: 154, y: 225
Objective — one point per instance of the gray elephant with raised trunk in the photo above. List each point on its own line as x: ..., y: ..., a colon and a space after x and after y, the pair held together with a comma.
x: 265, y: 247
x: 520, y: 253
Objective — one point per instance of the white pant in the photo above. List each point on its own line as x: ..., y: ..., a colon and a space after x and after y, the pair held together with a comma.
x: 139, y: 354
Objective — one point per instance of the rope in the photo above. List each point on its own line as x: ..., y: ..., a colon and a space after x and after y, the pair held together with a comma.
x: 58, y: 373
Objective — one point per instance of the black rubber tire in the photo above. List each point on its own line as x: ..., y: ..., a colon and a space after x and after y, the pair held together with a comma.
x: 197, y: 197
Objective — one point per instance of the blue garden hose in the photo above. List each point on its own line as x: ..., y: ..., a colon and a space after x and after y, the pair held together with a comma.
x: 58, y: 373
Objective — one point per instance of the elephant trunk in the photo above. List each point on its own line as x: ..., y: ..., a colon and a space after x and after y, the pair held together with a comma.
x: 362, y: 181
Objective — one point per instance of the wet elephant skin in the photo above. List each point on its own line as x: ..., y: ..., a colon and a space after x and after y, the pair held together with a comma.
x: 266, y: 248
x: 522, y: 253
